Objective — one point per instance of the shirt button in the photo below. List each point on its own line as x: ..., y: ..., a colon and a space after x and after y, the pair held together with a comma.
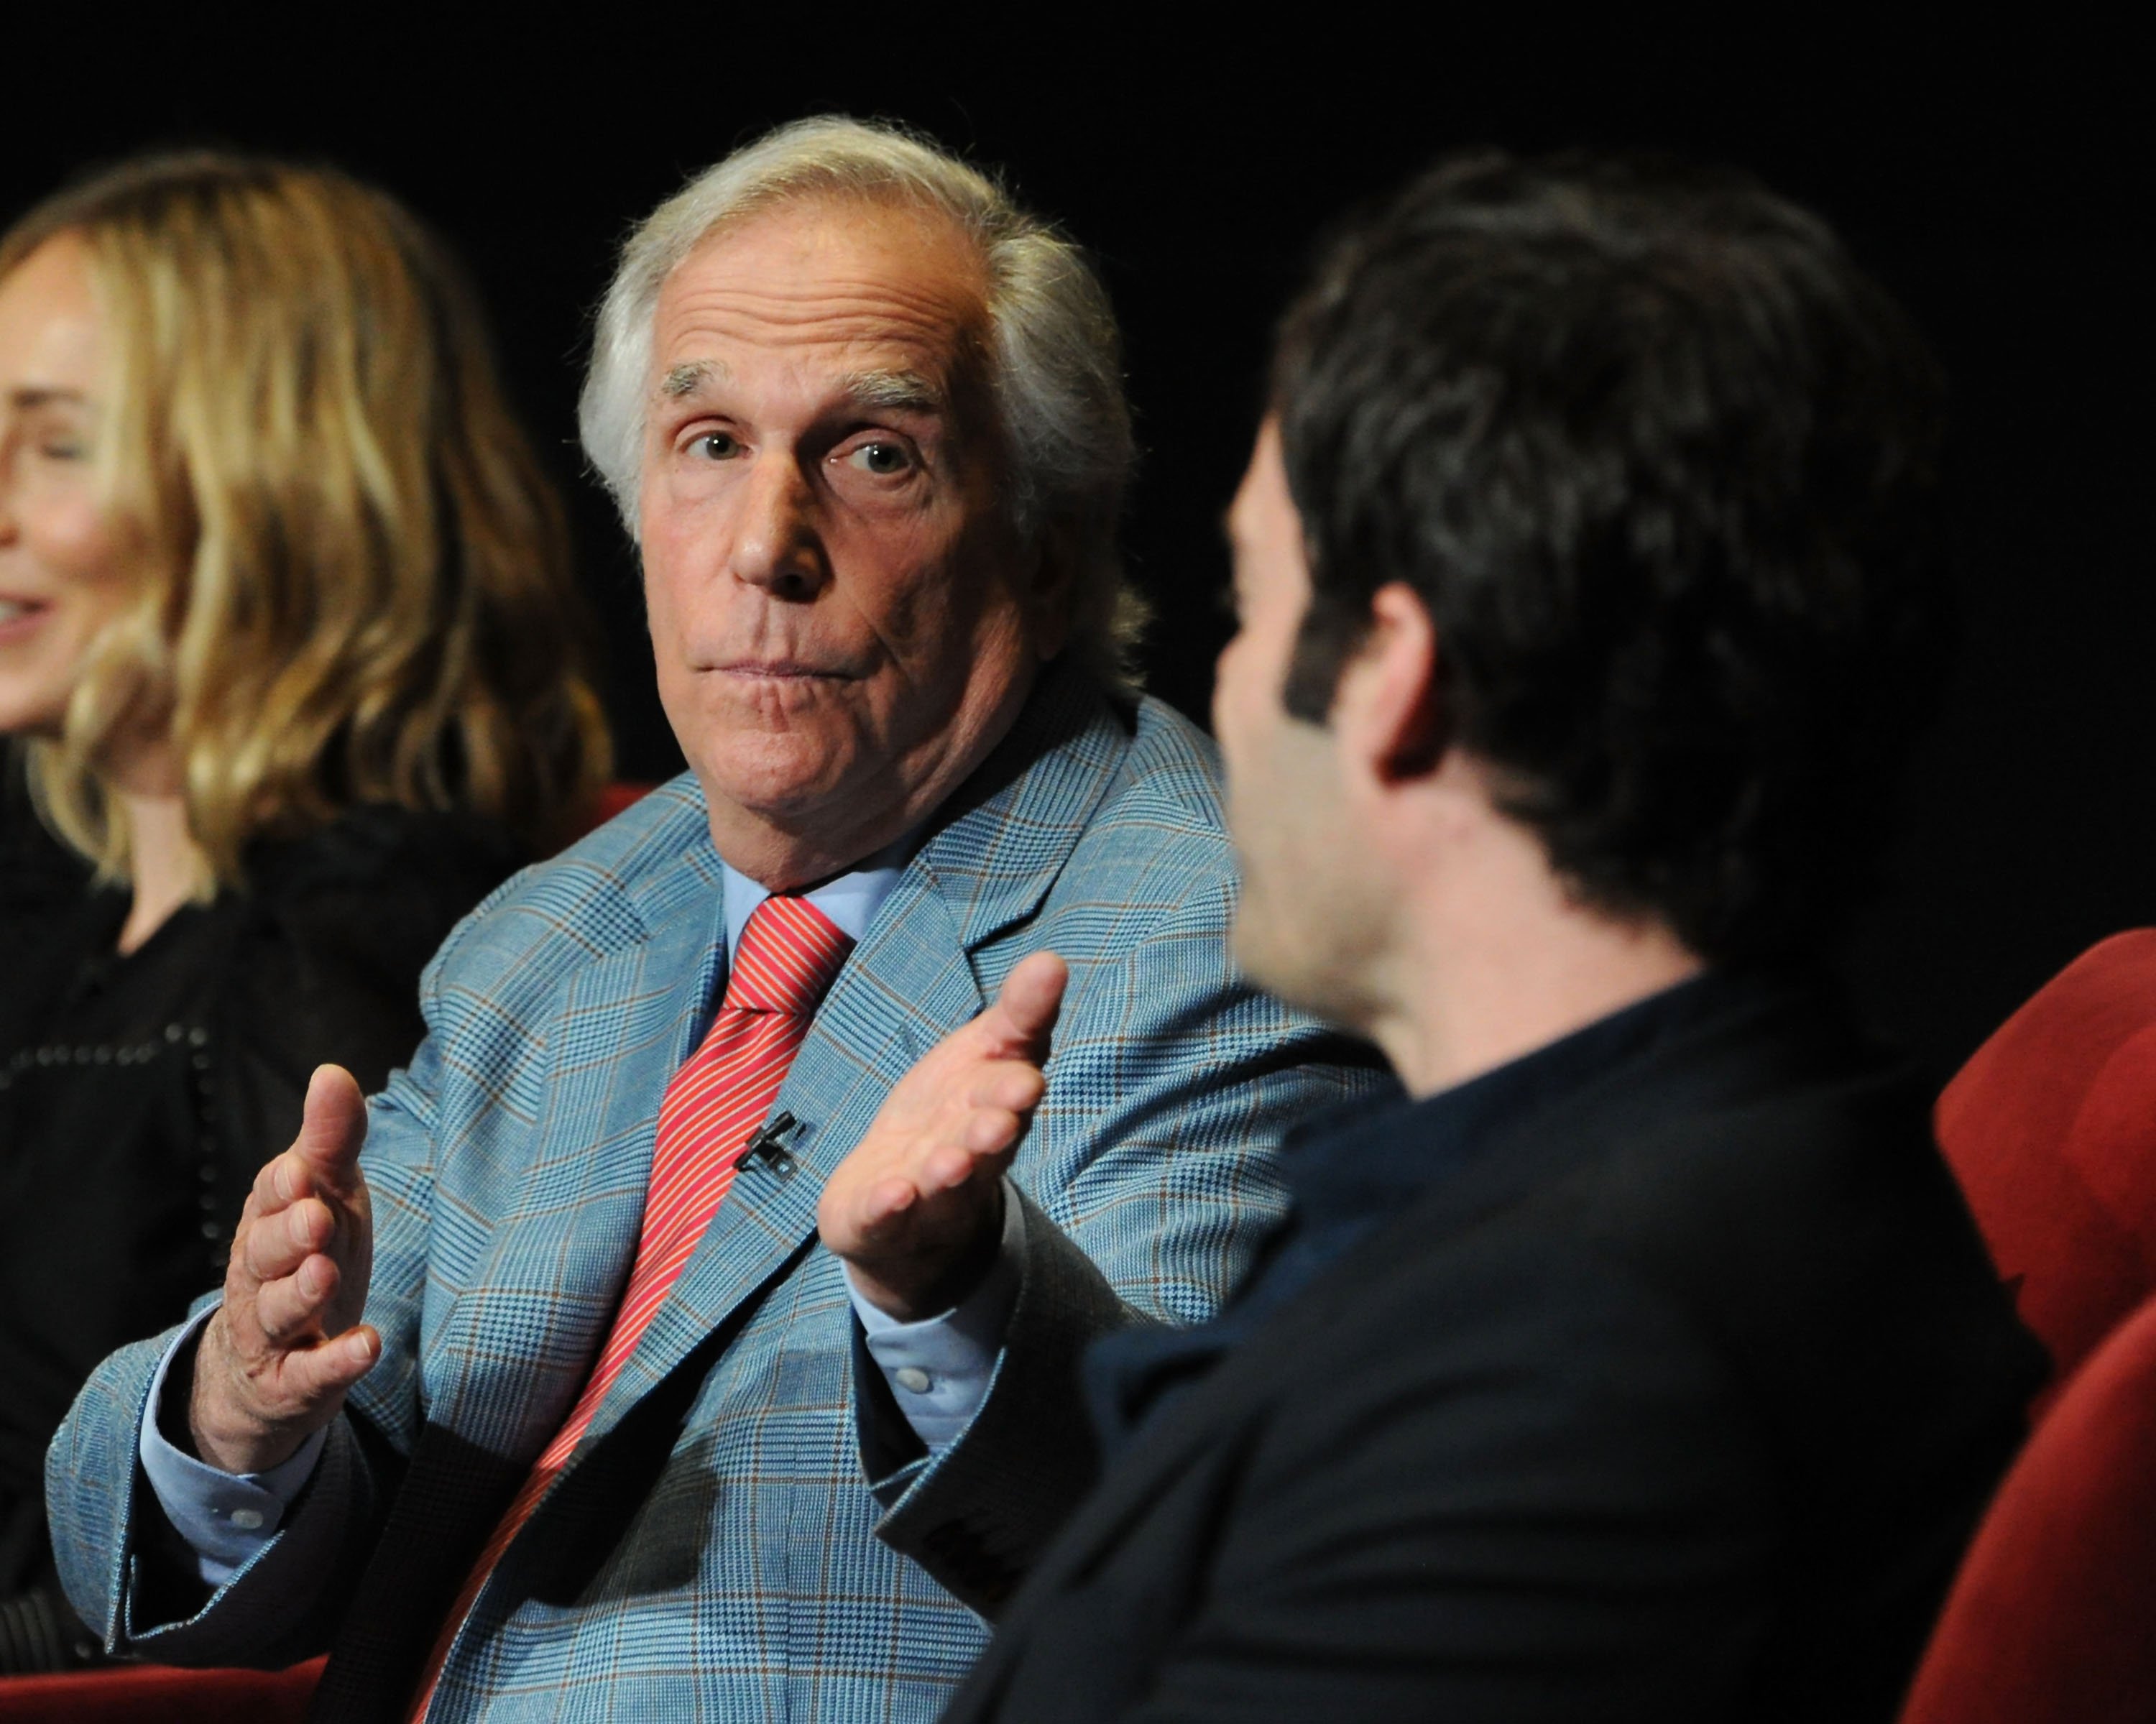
x: 913, y: 1379
x: 247, y: 1519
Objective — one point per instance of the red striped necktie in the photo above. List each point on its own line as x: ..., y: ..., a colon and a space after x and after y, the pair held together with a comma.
x: 790, y: 951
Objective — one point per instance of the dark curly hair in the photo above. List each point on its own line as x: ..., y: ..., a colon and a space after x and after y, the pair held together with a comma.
x: 1664, y: 465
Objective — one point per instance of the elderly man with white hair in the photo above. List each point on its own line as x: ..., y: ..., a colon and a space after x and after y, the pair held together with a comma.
x: 543, y: 1403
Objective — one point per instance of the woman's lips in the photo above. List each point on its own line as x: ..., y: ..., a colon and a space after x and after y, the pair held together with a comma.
x: 19, y: 616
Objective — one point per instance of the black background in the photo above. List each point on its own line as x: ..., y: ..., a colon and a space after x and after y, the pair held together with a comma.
x: 2000, y: 187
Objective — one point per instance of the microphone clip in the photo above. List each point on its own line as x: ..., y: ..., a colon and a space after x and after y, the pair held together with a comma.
x: 768, y: 1145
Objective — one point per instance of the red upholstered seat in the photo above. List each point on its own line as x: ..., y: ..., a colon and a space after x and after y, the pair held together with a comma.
x: 612, y: 799
x: 2051, y: 1130
x: 2053, y: 1616
x: 144, y: 1694
x: 617, y: 796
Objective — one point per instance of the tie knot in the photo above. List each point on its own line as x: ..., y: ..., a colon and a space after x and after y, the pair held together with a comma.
x: 789, y: 952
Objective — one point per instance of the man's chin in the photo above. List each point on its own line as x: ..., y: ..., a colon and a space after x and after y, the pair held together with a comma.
x: 786, y: 804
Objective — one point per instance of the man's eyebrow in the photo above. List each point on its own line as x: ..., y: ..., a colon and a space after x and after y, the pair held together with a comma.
x: 687, y: 379
x: 895, y: 391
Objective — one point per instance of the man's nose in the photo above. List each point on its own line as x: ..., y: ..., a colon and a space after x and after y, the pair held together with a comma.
x: 776, y: 543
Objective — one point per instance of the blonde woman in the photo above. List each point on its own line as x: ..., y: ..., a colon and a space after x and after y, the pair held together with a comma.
x: 287, y: 636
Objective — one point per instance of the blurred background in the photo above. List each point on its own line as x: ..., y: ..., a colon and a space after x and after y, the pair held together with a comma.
x: 1995, y: 186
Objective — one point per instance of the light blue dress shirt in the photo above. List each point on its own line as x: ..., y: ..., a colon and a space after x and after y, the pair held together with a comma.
x: 938, y: 1368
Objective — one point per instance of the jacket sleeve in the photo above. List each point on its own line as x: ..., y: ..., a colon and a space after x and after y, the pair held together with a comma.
x: 1559, y: 1511
x: 1151, y: 1179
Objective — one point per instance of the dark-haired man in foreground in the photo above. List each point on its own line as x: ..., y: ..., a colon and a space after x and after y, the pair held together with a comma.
x: 1644, y: 1363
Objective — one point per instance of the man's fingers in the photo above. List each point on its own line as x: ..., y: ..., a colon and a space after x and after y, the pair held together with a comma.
x: 921, y: 1187
x: 944, y: 1170
x: 310, y: 1375
x: 268, y: 1196
x: 283, y: 1179
x: 988, y: 1133
x: 333, y: 1127
x: 1009, y: 1085
x: 278, y: 1245
x: 276, y: 1250
x: 883, y: 1203
x: 290, y: 1308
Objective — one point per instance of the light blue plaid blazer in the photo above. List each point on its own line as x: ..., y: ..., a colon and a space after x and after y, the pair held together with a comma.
x: 710, y: 1550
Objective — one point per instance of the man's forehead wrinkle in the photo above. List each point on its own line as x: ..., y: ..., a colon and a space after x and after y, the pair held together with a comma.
x: 878, y: 340
x: 890, y: 331
x: 830, y: 241
x: 865, y: 308
x: 938, y: 291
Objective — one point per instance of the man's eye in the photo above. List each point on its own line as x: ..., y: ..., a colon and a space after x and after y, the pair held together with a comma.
x: 718, y: 445
x: 61, y: 449
x: 882, y: 458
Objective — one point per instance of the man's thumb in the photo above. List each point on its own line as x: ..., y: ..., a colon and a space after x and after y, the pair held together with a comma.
x: 333, y: 1123
x: 1032, y: 995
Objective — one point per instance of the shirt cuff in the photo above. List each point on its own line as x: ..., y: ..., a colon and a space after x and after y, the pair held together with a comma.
x: 939, y: 1368
x: 224, y: 1517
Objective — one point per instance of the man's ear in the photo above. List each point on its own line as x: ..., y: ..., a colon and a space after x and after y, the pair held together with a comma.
x: 1051, y: 586
x: 1390, y: 708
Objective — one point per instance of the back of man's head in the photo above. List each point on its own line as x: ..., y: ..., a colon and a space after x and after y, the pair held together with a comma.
x: 1663, y: 464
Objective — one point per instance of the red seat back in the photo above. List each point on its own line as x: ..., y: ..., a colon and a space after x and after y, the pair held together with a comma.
x: 2051, y: 1130
x: 150, y: 1694
x: 622, y: 794
x: 613, y: 798
x: 2053, y: 1615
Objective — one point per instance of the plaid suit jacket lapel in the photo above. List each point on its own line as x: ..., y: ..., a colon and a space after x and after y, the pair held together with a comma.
x: 513, y: 1352
x: 914, y: 976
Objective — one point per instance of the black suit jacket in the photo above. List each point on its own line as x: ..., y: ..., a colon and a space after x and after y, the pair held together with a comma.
x: 1678, y: 1402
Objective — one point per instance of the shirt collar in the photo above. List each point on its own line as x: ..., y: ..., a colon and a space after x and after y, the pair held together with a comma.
x: 851, y: 900
x: 1371, y: 1157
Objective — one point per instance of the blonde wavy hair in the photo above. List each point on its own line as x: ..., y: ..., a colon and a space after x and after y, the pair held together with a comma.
x: 351, y: 580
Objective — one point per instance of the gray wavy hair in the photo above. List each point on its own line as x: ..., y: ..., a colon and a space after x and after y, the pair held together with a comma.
x: 1058, y: 373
